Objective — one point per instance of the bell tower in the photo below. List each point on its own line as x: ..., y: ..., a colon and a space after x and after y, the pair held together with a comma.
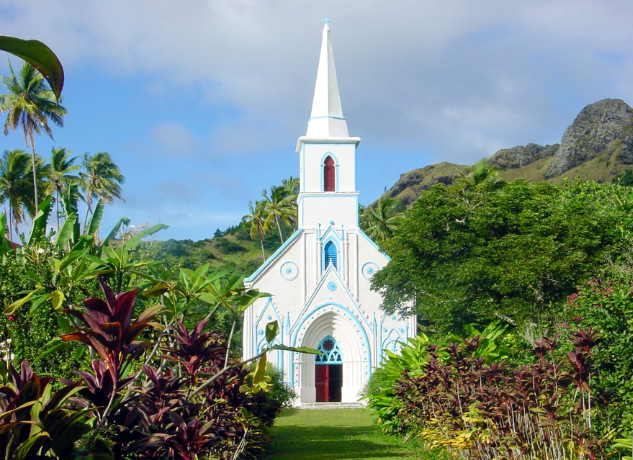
x: 327, y: 165
x: 319, y: 280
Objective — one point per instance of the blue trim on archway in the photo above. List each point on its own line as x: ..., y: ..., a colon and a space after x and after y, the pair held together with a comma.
x: 297, y: 328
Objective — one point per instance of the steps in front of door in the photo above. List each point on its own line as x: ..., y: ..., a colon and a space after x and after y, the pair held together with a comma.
x: 332, y: 405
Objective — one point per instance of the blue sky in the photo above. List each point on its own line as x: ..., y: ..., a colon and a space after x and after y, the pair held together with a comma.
x: 200, y: 103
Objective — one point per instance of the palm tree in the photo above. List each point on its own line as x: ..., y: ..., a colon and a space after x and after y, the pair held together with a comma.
x: 291, y: 187
x: 59, y: 175
x: 258, y: 223
x: 30, y: 104
x: 15, y: 186
x: 101, y: 180
x: 381, y: 220
x: 280, y: 207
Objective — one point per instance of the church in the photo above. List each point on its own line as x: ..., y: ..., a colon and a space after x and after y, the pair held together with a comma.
x: 319, y: 279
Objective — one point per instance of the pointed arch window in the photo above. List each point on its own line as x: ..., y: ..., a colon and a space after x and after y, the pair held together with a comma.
x: 330, y: 255
x: 331, y: 351
x: 329, y: 175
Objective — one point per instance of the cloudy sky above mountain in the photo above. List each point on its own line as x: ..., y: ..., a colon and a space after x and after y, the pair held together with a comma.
x: 200, y: 103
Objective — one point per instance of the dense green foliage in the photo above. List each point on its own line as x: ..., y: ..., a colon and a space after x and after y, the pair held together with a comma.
x: 542, y: 258
x: 473, y: 252
x: 189, y: 398
x: 607, y: 307
x: 168, y: 384
x: 463, y: 396
x: 161, y: 385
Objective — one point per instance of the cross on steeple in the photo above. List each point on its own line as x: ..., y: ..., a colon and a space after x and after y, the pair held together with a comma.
x: 326, y: 20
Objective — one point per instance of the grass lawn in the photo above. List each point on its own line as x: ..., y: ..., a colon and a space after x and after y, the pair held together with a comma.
x: 338, y: 434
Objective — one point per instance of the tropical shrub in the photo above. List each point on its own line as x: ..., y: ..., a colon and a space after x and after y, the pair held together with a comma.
x: 151, y: 391
x: 27, y: 332
x: 35, y: 423
x: 413, y: 357
x: 606, y: 306
x: 474, y: 404
x: 278, y: 395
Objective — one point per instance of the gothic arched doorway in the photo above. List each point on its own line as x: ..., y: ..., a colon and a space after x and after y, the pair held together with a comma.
x: 328, y: 371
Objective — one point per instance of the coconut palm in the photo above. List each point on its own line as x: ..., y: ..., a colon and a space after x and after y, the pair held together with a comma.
x: 380, y: 220
x: 280, y: 207
x: 29, y: 105
x: 101, y: 180
x: 59, y: 173
x: 256, y: 219
x: 15, y: 186
x: 291, y: 187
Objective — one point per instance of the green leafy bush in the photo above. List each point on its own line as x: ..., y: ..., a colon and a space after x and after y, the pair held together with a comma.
x: 278, y: 395
x: 464, y: 397
x: 28, y: 332
x: 473, y: 253
x: 606, y: 306
x: 189, y: 398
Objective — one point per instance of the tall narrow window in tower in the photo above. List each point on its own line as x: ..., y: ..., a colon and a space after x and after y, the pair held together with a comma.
x: 329, y: 175
x: 330, y: 255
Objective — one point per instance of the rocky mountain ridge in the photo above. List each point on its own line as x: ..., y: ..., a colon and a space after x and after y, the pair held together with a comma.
x: 598, y: 146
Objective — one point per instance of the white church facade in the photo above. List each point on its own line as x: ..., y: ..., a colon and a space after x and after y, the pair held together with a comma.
x: 319, y: 279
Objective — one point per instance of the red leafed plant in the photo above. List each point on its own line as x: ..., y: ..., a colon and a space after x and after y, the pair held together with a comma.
x: 191, y: 401
x: 485, y: 409
x: 110, y: 330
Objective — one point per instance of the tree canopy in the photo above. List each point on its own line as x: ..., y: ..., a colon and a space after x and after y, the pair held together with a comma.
x: 477, y: 250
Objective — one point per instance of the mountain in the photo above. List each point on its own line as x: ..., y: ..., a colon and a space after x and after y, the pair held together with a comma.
x: 598, y: 146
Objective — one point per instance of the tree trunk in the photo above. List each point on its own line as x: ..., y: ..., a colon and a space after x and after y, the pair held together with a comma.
x: 281, y: 238
x: 34, y: 178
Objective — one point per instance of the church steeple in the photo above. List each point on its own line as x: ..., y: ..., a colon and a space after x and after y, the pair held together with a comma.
x: 327, y: 172
x: 326, y: 120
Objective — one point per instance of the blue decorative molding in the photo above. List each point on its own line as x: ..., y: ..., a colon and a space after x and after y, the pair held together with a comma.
x: 331, y: 286
x: 360, y: 232
x: 317, y: 289
x: 289, y: 271
x: 273, y: 258
x: 341, y: 309
x: 266, y: 310
x: 369, y: 269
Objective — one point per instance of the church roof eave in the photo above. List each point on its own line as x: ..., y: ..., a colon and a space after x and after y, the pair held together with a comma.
x: 274, y: 257
x: 326, y: 140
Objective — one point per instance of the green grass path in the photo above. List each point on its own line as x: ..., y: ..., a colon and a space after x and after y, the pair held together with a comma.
x: 328, y: 434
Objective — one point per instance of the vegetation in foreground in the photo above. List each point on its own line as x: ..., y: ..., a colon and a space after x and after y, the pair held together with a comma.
x: 544, y: 272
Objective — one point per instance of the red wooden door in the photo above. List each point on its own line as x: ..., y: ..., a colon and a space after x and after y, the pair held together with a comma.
x: 322, y: 380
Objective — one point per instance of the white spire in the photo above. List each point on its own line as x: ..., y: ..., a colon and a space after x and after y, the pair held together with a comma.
x: 326, y: 120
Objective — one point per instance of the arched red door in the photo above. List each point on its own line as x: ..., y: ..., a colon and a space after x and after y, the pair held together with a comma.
x: 328, y: 371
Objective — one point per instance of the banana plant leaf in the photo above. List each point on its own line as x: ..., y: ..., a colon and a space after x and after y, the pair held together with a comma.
x: 133, y: 242
x: 5, y: 244
x: 95, y: 220
x: 115, y: 230
x: 39, y: 56
x: 66, y: 233
x: 38, y: 228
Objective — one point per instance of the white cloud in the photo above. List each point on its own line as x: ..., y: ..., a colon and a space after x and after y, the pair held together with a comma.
x: 175, y: 140
x: 424, y: 80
